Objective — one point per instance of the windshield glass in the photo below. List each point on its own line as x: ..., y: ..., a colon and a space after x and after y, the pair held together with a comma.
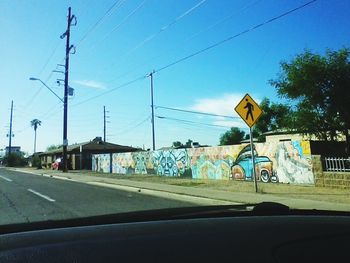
x: 116, y: 106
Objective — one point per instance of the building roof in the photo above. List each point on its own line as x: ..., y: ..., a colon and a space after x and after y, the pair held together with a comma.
x: 281, y: 131
x: 97, y: 145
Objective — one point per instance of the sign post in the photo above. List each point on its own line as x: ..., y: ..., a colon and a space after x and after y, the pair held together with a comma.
x: 253, y: 159
x: 250, y: 112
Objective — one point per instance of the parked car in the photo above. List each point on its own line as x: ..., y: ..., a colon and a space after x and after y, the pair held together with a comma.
x: 57, y: 164
x: 242, y: 168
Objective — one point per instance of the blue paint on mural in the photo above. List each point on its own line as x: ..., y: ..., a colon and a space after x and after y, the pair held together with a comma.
x: 209, y: 169
x: 101, y: 163
x: 170, y: 162
x: 297, y: 146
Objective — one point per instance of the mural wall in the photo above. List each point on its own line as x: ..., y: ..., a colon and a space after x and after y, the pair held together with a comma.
x: 285, y: 162
x: 101, y: 163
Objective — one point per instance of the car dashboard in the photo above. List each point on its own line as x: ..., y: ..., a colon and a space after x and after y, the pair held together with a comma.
x: 201, y: 237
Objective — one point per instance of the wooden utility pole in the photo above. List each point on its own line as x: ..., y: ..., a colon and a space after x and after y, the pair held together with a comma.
x: 10, y: 134
x: 66, y: 87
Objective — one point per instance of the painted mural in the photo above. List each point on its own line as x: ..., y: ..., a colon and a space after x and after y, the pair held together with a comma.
x: 212, y: 162
x: 171, y: 162
x: 101, y: 163
x: 284, y: 162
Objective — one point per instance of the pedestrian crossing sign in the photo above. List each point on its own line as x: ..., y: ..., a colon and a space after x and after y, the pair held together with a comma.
x: 248, y: 110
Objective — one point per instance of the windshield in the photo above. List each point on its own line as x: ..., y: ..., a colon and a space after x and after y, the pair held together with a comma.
x: 119, y: 106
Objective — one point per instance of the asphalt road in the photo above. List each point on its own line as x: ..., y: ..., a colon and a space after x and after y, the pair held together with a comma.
x: 29, y: 198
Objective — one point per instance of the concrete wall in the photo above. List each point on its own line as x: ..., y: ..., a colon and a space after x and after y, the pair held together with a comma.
x: 285, y: 162
x: 336, y: 179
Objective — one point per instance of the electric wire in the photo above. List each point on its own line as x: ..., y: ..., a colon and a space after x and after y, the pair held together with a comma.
x: 111, y: 90
x: 196, y: 112
x: 192, y: 122
x: 164, y: 28
x: 124, y: 20
x: 114, y: 7
x: 234, y: 36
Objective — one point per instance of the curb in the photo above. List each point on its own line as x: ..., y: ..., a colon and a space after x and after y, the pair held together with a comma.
x: 133, y: 189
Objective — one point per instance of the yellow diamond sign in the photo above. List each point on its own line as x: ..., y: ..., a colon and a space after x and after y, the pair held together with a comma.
x: 249, y: 110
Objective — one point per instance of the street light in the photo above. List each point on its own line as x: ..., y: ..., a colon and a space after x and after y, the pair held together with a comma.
x: 65, y: 141
x: 47, y: 88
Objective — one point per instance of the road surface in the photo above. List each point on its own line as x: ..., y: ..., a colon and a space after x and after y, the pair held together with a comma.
x: 29, y: 198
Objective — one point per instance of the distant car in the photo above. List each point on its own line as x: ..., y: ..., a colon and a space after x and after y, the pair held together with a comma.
x: 57, y: 164
x: 242, y: 168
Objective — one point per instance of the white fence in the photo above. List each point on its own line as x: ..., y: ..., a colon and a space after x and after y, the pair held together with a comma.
x: 337, y: 164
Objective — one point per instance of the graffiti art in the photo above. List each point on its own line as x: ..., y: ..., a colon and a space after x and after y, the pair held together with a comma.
x: 242, y: 169
x: 170, y: 162
x: 101, y: 163
x: 284, y: 162
x: 140, y: 162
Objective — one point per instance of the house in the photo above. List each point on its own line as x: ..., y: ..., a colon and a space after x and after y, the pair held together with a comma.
x: 287, y: 135
x: 14, y: 149
x: 80, y: 155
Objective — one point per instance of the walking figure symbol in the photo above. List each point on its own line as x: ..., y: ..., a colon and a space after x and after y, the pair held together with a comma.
x: 250, y: 109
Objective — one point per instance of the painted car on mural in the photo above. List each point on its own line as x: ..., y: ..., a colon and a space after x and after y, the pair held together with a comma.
x: 242, y: 168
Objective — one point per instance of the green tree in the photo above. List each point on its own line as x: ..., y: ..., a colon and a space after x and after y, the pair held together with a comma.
x: 188, y: 144
x: 275, y: 116
x: 53, y: 147
x: 35, y: 124
x: 232, y: 136
x: 319, y: 86
x: 177, y: 144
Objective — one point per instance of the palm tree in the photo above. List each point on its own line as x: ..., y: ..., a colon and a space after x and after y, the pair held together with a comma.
x: 35, y: 123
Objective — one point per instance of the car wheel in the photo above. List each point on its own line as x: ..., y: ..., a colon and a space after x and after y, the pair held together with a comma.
x: 264, y: 175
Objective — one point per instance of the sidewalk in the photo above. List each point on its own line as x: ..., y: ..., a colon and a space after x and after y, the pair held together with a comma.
x: 209, y: 192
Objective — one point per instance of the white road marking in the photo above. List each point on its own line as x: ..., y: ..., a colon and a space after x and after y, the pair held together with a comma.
x: 5, y: 178
x: 41, y: 195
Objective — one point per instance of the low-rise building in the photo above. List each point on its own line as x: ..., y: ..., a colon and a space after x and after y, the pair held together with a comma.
x: 79, y: 156
x: 14, y: 149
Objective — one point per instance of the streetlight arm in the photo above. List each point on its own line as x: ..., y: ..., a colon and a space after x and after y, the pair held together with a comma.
x: 47, y: 87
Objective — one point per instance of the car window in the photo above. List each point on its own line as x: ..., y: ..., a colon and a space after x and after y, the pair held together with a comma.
x: 117, y: 106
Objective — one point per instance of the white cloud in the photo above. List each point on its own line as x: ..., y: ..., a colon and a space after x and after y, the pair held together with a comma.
x: 90, y: 84
x: 222, y: 105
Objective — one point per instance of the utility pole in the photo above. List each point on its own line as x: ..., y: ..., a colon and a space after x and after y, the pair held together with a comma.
x: 65, y: 100
x: 104, y: 123
x: 10, y: 135
x: 152, y: 107
x: 105, y: 117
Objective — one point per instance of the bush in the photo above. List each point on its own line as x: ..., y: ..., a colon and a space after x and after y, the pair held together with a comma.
x: 14, y: 160
x: 36, y: 162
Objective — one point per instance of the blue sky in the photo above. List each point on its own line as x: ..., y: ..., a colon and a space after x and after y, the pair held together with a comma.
x: 139, y: 36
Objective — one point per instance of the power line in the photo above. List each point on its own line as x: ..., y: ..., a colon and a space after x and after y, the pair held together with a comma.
x: 109, y: 12
x: 133, y: 127
x: 33, y: 97
x: 185, y: 40
x: 235, y: 36
x: 191, y: 122
x: 111, y: 90
x: 50, y: 57
x: 162, y: 29
x: 197, y: 112
x: 222, y: 20
x: 124, y: 20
